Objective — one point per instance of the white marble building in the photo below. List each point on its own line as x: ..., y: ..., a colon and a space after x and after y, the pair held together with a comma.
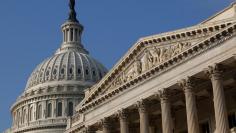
x: 182, y: 81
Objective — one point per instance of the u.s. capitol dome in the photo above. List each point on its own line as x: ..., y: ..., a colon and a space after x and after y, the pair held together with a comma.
x: 57, y: 84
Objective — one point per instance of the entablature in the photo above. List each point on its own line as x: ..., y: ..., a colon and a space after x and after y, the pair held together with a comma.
x: 153, y: 55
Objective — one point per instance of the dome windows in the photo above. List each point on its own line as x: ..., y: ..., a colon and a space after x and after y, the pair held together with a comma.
x: 31, y: 113
x: 54, y: 71
x: 47, y: 73
x: 70, y: 111
x: 79, y: 71
x: 49, y: 110
x: 62, y: 71
x: 59, y: 109
x: 87, y: 71
x: 39, y: 111
x: 94, y: 73
x: 71, y: 71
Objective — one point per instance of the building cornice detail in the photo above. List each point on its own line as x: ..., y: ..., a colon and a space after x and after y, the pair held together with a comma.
x: 217, y: 38
x: 201, y: 30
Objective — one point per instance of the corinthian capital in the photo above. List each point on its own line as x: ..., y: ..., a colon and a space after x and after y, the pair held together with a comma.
x: 105, y: 122
x: 122, y: 114
x: 164, y: 94
x: 214, y: 71
x: 187, y: 83
x: 142, y: 106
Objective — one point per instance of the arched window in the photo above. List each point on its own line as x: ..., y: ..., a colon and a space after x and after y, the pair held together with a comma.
x: 59, y: 109
x: 49, y: 110
x: 70, y: 111
x: 31, y: 113
x: 24, y: 116
x: 39, y: 112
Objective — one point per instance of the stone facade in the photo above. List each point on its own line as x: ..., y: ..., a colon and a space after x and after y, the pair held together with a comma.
x: 176, y: 82
x: 181, y: 81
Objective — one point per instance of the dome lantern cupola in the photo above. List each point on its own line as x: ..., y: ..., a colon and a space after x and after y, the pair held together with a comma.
x: 72, y: 32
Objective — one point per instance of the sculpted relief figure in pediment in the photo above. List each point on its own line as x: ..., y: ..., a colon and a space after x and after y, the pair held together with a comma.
x: 150, y: 57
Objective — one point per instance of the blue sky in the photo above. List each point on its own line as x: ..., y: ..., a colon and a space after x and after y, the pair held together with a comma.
x: 30, y: 32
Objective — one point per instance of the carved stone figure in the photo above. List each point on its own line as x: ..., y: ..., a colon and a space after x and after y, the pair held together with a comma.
x: 155, y: 54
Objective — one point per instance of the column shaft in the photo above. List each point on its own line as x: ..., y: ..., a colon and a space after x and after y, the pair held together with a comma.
x: 222, y: 125
x: 124, y: 124
x: 167, y: 126
x: 191, y: 109
x: 106, y: 125
x: 143, y: 115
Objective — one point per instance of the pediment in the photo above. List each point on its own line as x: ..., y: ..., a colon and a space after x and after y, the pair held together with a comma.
x: 226, y: 14
x: 148, y: 53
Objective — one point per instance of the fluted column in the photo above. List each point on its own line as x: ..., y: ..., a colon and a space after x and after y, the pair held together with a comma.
x: 124, y: 124
x: 191, y: 109
x: 143, y: 115
x: 167, y: 126
x: 215, y: 73
x: 106, y: 125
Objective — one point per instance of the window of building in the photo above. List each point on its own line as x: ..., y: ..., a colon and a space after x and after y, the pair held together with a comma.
x: 87, y: 71
x: 232, y: 120
x: 49, y: 110
x: 62, y: 71
x: 59, y: 109
x: 70, y: 111
x: 205, y: 127
x: 71, y: 70
x: 23, y: 115
x: 47, y: 73
x: 79, y: 71
x: 94, y: 73
x: 39, y: 112
x: 31, y: 113
x: 55, y: 71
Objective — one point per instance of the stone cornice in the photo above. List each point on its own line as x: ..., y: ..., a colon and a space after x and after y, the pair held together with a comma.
x: 143, y: 42
x: 217, y: 38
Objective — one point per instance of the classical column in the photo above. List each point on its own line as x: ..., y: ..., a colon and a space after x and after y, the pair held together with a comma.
x: 167, y: 126
x: 191, y: 109
x: 215, y: 73
x: 90, y: 129
x: 106, y: 126
x: 143, y: 115
x: 124, y: 124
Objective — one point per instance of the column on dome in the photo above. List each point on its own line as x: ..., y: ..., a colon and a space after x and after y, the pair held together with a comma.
x: 143, y: 116
x: 65, y: 110
x: 54, y: 107
x: 167, y: 121
x: 74, y: 34
x: 123, y: 118
x: 192, y: 118
x: 44, y: 107
x: 215, y: 74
